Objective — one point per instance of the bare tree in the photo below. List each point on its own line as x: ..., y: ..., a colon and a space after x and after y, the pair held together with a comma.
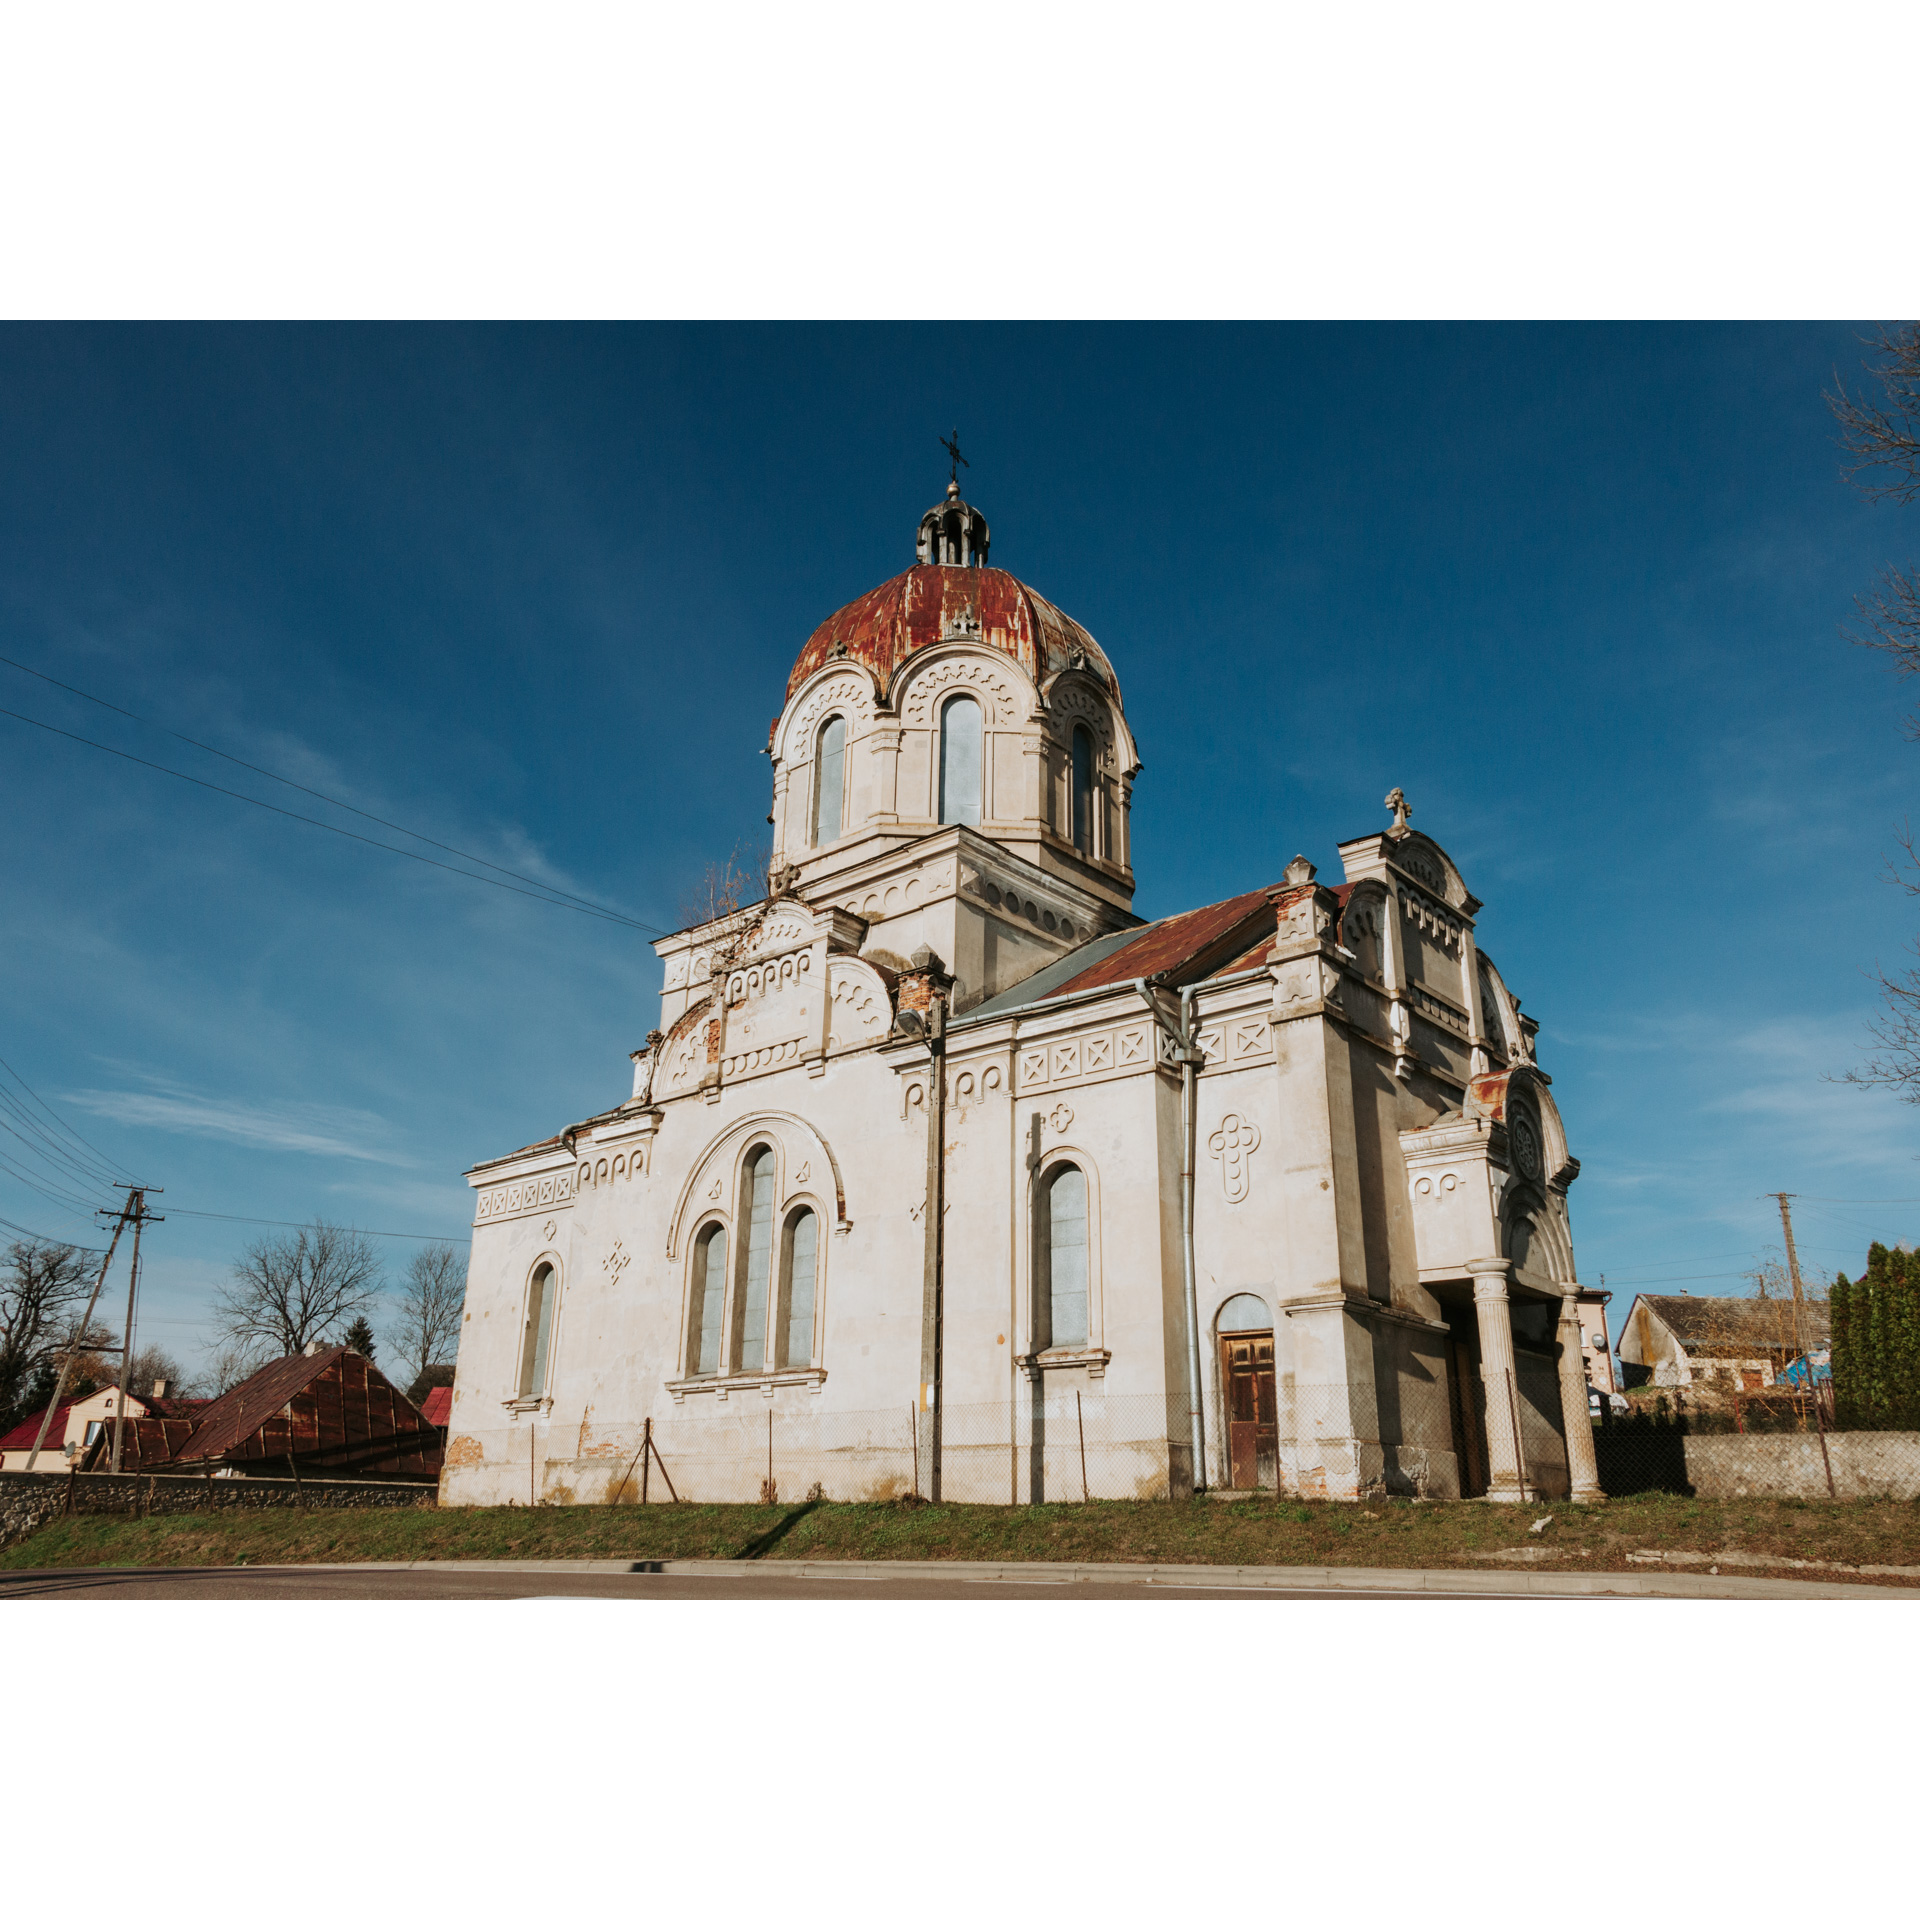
x: 1882, y: 443
x: 425, y: 1329
x: 227, y: 1366
x: 41, y: 1282
x: 155, y: 1362
x: 1881, y: 437
x: 291, y: 1289
x: 725, y: 907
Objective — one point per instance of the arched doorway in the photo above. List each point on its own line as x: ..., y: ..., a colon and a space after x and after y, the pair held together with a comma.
x: 1248, y: 1405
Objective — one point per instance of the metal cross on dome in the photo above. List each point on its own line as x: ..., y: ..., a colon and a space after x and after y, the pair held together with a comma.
x: 956, y: 458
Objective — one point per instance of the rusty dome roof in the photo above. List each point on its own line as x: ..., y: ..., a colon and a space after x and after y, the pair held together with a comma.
x: 928, y: 604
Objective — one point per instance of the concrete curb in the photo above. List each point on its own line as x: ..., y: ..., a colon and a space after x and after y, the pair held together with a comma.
x: 1332, y: 1581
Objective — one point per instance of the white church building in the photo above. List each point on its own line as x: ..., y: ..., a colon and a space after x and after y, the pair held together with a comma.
x: 944, y: 1170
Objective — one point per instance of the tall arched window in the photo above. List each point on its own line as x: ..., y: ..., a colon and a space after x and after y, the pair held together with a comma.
x: 709, y: 1298
x: 799, y: 1263
x: 960, y: 764
x: 750, y: 1312
x: 829, y: 780
x: 1083, y: 790
x: 539, y: 1324
x: 1061, y: 1292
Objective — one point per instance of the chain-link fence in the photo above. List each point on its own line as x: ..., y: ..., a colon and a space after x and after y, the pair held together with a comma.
x: 1438, y: 1439
x: 1715, y: 1460
x: 1036, y: 1448
x: 1048, y: 1444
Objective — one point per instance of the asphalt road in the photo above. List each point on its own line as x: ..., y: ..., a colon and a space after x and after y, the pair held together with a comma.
x: 347, y: 1583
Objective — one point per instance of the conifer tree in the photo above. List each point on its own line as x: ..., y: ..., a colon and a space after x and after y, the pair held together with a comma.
x: 360, y: 1336
x: 1840, y: 1346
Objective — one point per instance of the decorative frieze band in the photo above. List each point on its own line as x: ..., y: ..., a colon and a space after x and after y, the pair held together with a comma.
x: 548, y: 1190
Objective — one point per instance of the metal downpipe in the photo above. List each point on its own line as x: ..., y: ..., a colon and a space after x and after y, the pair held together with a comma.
x: 1188, y: 1127
x: 1189, y: 1067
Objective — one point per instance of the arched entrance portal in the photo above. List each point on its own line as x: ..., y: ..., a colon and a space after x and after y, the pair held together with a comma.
x: 1245, y: 1329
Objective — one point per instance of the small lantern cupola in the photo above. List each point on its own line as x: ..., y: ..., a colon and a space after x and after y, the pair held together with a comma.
x: 952, y: 534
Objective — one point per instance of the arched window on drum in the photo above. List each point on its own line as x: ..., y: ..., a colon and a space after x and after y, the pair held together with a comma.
x: 829, y: 781
x: 1081, y: 782
x: 1061, y: 1280
x: 960, y: 757
x: 799, y: 1275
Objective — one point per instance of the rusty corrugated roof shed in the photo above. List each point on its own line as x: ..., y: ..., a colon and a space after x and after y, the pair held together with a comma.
x: 333, y: 1411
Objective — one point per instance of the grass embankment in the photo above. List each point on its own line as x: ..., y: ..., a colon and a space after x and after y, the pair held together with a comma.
x: 1393, y: 1533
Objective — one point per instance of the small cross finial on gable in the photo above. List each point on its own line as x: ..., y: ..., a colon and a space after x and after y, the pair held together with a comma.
x: 1402, y: 813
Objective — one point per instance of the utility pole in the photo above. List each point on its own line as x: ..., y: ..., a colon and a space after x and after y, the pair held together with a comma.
x: 74, y: 1345
x: 1800, y: 1335
x: 137, y: 1199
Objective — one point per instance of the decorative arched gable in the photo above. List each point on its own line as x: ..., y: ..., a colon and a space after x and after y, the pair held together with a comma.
x: 809, y: 1170
x: 841, y: 686
x: 1007, y: 697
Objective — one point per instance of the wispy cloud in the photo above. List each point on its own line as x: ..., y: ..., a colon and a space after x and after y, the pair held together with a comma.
x: 277, y: 1126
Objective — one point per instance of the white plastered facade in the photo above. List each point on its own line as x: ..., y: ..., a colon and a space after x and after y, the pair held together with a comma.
x: 1379, y: 1164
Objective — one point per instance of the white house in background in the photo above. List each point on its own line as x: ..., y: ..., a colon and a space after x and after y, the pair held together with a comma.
x: 1596, y: 1350
x: 77, y: 1422
x: 1377, y: 1290
x: 1685, y: 1340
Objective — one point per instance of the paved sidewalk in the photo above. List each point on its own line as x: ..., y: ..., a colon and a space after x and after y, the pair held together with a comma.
x: 902, y: 1579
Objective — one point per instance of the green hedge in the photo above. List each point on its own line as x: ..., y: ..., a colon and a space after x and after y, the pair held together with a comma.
x: 1876, y: 1342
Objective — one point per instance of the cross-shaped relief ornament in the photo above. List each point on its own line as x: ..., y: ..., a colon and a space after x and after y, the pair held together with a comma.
x: 616, y: 1263
x: 1233, y: 1146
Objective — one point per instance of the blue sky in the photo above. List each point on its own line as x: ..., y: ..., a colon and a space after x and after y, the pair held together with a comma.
x: 534, y: 592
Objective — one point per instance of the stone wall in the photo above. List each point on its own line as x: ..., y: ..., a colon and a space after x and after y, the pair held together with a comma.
x: 32, y: 1500
x: 1724, y: 1466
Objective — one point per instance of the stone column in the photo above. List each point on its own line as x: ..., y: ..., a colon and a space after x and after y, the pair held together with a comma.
x: 1036, y: 781
x: 1582, y: 1466
x: 885, y: 749
x: 1505, y: 1449
x: 780, y: 810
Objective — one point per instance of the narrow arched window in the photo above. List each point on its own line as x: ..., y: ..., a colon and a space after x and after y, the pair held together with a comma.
x: 709, y: 1298
x: 1083, y: 790
x: 750, y: 1312
x: 799, y: 1262
x: 534, y: 1336
x: 829, y: 781
x: 1062, y: 1290
x: 960, y: 764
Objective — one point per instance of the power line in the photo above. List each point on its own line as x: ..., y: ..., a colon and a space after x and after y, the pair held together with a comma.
x: 46, y: 1240
x: 106, y: 1160
x: 379, y: 1233
x: 66, y: 1167
x: 1829, y: 1200
x: 61, y: 1197
x: 551, y: 898
x: 331, y: 800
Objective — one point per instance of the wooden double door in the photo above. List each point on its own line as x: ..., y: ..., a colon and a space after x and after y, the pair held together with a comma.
x: 1253, y: 1432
